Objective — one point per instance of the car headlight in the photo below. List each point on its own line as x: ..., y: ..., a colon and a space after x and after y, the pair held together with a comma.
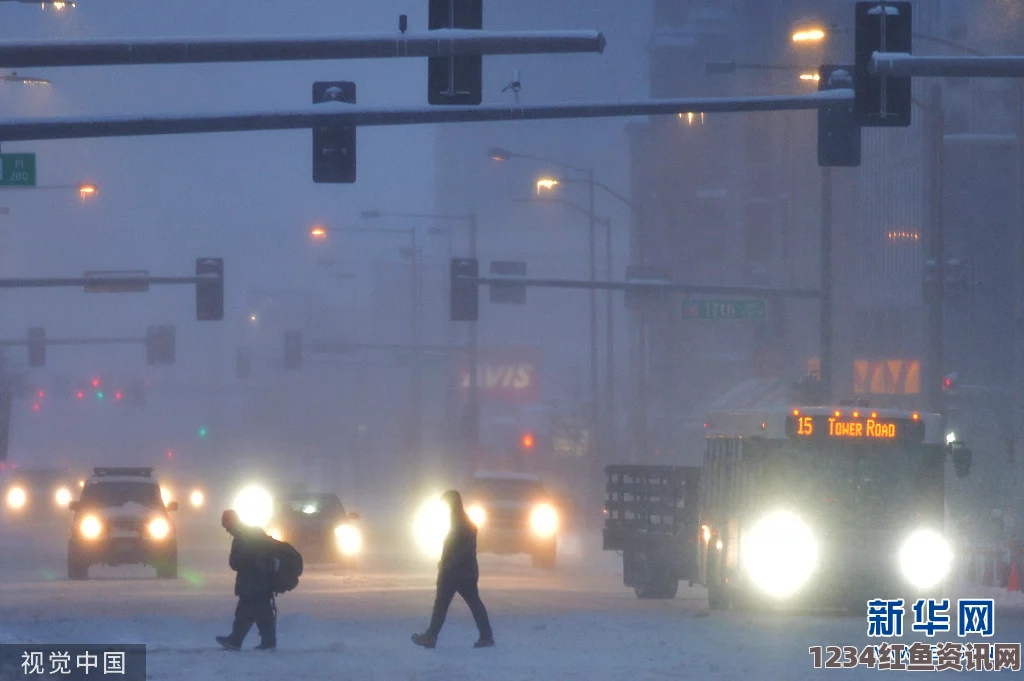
x: 254, y: 506
x: 350, y: 539
x: 275, y: 533
x: 926, y: 558
x: 159, y: 528
x: 16, y: 498
x: 62, y: 497
x: 197, y: 498
x: 90, y: 527
x: 431, y: 525
x: 477, y: 515
x: 780, y: 554
x: 544, y: 520
x: 165, y: 495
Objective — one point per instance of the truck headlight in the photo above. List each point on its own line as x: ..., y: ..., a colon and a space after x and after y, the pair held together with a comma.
x: 197, y: 498
x: 926, y: 558
x: 780, y: 554
x: 90, y: 527
x: 544, y: 521
x: 477, y: 515
x: 159, y: 528
x: 16, y: 498
x: 254, y: 506
x: 350, y: 539
x: 430, y: 526
x: 62, y: 497
x: 165, y: 495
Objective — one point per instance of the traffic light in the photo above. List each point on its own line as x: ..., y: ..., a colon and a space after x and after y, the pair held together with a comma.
x: 243, y: 365
x: 160, y: 345
x: 210, y: 291
x: 465, y: 296
x: 950, y: 384
x: 455, y: 80
x: 37, y: 347
x: 868, y: 101
x: 838, y: 132
x: 135, y: 395
x: 526, y: 442
x: 292, y: 350
x: 334, y: 146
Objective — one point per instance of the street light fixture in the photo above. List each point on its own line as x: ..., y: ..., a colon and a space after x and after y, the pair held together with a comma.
x: 318, y: 233
x: 87, y: 189
x: 548, y: 183
x: 499, y: 154
x: 809, y: 35
x: 13, y: 77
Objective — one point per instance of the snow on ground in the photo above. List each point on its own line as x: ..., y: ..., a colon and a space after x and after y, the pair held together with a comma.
x: 576, y: 622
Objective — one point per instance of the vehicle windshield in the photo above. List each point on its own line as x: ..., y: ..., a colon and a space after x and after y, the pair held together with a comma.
x: 313, y: 504
x: 106, y: 494
x: 867, y: 486
x: 506, y: 488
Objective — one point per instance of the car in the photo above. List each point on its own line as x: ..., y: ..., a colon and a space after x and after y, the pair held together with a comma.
x: 318, y: 526
x: 514, y: 513
x: 37, y: 494
x: 121, y: 519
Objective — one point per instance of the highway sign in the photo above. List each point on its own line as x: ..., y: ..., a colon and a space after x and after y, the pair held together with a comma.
x: 17, y: 170
x: 126, y: 281
x: 725, y: 309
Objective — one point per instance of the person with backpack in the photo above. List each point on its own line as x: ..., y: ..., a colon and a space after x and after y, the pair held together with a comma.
x: 458, y: 573
x: 253, y: 559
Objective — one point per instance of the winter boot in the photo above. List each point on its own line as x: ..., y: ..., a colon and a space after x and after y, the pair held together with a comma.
x: 484, y: 643
x: 266, y: 646
x: 229, y: 643
x: 427, y: 640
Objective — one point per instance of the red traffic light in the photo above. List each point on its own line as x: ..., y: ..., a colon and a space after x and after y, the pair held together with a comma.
x: 527, y: 441
x: 95, y: 382
x: 117, y: 395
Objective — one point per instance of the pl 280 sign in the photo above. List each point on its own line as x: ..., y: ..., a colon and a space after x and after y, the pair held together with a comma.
x: 17, y: 170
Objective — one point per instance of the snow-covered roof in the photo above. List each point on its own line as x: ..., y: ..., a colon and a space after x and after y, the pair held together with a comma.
x: 501, y: 475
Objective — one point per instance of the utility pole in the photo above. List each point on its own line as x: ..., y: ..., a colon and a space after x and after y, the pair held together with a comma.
x: 825, y: 345
x: 1018, y: 373
x: 609, y: 381
x: 934, y: 292
x: 472, y: 425
x: 416, y: 392
x: 594, y: 416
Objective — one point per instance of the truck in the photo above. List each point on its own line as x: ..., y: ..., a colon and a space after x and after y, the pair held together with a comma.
x: 651, y: 518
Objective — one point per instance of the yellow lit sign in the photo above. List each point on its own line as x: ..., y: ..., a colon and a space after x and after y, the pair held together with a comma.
x: 853, y: 427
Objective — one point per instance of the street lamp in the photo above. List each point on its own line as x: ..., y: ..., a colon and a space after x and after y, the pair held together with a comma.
x: 471, y: 422
x: 13, y: 77
x: 546, y: 183
x: 318, y: 233
x: 809, y: 35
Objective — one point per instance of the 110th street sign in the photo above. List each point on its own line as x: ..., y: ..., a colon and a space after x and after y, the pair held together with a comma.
x: 17, y: 170
x: 725, y: 309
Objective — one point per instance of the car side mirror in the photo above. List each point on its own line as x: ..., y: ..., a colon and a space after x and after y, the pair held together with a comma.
x: 73, y: 506
x: 962, y: 458
x: 353, y: 516
x: 173, y: 506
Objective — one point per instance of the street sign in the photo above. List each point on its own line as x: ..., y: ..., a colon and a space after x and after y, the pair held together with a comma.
x: 120, y: 281
x: 17, y: 170
x: 725, y: 309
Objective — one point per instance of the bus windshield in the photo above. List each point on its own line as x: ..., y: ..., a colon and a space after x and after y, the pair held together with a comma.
x: 855, y: 485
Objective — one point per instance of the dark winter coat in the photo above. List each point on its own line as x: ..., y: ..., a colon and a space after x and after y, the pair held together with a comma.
x: 458, y: 558
x: 252, y: 558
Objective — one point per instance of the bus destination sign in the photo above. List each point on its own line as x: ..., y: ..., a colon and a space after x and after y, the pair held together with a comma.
x: 864, y: 428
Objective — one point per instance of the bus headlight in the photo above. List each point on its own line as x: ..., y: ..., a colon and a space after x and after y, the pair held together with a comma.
x: 165, y: 495
x: 780, y: 554
x: 350, y: 540
x: 196, y: 498
x: 62, y: 497
x: 544, y: 521
x: 254, y: 506
x: 90, y: 527
x: 16, y: 498
x: 477, y: 515
x: 159, y: 528
x: 926, y: 558
x: 430, y: 526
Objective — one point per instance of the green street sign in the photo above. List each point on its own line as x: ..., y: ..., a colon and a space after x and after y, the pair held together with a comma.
x: 725, y: 309
x: 17, y: 170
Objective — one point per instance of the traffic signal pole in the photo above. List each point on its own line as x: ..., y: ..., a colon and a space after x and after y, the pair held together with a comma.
x: 438, y: 43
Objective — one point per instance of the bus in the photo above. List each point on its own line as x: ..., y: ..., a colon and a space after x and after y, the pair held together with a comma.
x: 824, y: 506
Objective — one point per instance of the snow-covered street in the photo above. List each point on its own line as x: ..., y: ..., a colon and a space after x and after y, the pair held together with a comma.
x: 577, y: 622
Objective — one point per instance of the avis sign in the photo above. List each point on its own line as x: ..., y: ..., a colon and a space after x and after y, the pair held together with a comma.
x: 506, y: 375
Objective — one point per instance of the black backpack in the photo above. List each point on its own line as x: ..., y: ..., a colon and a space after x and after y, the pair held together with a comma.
x: 287, y: 566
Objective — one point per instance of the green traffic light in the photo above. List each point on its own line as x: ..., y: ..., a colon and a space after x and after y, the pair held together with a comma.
x: 99, y: 395
x: 202, y: 432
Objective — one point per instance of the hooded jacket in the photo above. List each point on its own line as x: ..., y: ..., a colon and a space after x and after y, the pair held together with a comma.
x: 251, y: 557
x: 458, y: 557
